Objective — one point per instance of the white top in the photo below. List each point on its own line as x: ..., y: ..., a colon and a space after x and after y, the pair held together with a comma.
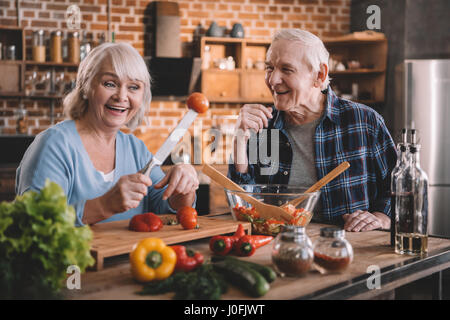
x: 109, y: 177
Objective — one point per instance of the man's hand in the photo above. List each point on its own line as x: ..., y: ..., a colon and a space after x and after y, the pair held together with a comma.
x: 365, y: 221
x: 251, y: 117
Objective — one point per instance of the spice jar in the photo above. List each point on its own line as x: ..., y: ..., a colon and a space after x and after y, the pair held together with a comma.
x: 38, y: 50
x: 292, y: 252
x: 55, y: 47
x: 21, y: 120
x: 74, y: 47
x: 332, y: 252
x: 10, y: 53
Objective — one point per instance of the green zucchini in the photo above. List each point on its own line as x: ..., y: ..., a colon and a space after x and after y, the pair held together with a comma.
x: 244, y: 277
x: 267, y: 272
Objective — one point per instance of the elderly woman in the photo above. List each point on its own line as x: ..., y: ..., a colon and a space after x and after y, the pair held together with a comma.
x: 91, y: 159
x: 318, y: 131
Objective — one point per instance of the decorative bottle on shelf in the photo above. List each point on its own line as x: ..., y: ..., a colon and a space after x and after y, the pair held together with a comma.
x: 402, y: 159
x: 206, y: 62
x: 411, y: 205
x: 85, y: 46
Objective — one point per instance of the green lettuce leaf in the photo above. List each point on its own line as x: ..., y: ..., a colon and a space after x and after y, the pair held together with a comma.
x: 38, y: 241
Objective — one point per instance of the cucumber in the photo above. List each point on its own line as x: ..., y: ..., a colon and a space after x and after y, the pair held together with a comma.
x: 244, y: 277
x: 267, y: 272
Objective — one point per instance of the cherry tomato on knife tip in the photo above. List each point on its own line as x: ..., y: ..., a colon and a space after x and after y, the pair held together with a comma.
x: 198, y: 102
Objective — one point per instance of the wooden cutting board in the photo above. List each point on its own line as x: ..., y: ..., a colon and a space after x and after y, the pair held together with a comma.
x: 113, y: 238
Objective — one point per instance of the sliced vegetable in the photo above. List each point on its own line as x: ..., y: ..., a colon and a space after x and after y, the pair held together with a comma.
x: 151, y: 259
x: 145, y: 222
x: 221, y: 245
x: 187, y: 217
x: 187, y: 260
x: 244, y: 277
x: 247, y: 245
x: 268, y: 273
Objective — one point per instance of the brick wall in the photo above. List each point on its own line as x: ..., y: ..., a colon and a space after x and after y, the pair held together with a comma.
x: 131, y: 20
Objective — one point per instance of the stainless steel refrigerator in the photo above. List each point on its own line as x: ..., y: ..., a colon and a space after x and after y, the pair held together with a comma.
x: 423, y: 103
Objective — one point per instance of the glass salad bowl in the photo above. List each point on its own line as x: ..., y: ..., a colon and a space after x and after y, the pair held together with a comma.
x: 277, y: 195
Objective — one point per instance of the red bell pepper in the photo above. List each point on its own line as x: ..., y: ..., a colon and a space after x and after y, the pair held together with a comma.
x: 247, y: 245
x: 145, y: 222
x: 221, y: 245
x: 187, y: 260
x: 240, y: 232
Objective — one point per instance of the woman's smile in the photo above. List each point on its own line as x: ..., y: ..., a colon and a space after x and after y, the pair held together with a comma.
x: 116, y: 110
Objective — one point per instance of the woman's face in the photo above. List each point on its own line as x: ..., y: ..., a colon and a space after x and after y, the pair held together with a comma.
x: 288, y: 77
x: 113, y: 101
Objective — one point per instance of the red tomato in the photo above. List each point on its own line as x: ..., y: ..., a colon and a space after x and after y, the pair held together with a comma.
x: 198, y: 102
x: 145, y: 222
x: 187, y: 217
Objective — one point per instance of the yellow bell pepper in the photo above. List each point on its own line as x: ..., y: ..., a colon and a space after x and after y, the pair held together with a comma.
x: 151, y: 259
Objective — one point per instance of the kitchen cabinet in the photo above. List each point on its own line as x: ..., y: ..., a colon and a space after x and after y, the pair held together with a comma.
x: 19, y: 81
x: 365, y: 62
x: 244, y: 83
x: 364, y: 59
x: 31, y: 80
x: 12, y: 55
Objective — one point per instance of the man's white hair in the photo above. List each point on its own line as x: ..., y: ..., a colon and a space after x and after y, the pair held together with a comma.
x: 314, y: 55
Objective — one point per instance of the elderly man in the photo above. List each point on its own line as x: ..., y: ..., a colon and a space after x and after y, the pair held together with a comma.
x: 316, y: 132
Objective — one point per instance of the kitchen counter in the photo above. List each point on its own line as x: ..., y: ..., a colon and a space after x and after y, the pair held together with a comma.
x: 371, y: 250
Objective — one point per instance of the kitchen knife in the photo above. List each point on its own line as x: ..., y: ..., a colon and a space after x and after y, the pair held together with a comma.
x: 170, y: 142
x: 197, y: 103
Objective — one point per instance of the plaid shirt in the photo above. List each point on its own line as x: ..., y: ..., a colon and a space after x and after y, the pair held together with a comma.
x: 347, y: 131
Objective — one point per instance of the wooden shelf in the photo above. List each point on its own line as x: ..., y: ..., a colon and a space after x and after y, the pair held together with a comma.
x: 24, y: 96
x: 11, y: 62
x: 11, y: 94
x: 51, y: 64
x: 240, y: 85
x: 368, y: 52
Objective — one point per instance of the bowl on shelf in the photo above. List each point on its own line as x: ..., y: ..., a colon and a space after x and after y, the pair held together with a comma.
x: 277, y: 195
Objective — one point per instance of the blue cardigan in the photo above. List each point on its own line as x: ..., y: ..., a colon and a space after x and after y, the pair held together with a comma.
x: 58, y: 154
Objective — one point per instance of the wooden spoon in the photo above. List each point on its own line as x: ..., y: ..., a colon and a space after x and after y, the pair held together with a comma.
x: 319, y: 184
x: 264, y: 210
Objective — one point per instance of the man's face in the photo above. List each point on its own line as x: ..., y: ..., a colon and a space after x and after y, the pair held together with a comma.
x: 288, y: 76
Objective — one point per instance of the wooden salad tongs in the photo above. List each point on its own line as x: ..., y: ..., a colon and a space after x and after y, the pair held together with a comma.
x: 319, y: 184
x: 264, y: 210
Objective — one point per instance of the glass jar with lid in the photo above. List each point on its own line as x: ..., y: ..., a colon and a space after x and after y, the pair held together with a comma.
x: 55, y: 46
x: 74, y: 47
x: 292, y: 252
x: 38, y: 49
x: 332, y: 252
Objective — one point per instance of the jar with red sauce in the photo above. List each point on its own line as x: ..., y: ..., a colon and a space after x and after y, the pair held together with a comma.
x: 292, y: 252
x: 332, y: 252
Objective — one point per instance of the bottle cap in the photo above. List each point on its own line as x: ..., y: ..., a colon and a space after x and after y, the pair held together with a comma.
x: 331, y: 232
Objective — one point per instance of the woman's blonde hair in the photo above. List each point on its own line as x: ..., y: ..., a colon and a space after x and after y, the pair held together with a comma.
x: 316, y: 53
x: 126, y: 62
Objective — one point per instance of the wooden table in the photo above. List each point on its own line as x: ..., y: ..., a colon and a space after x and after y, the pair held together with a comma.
x: 371, y: 250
